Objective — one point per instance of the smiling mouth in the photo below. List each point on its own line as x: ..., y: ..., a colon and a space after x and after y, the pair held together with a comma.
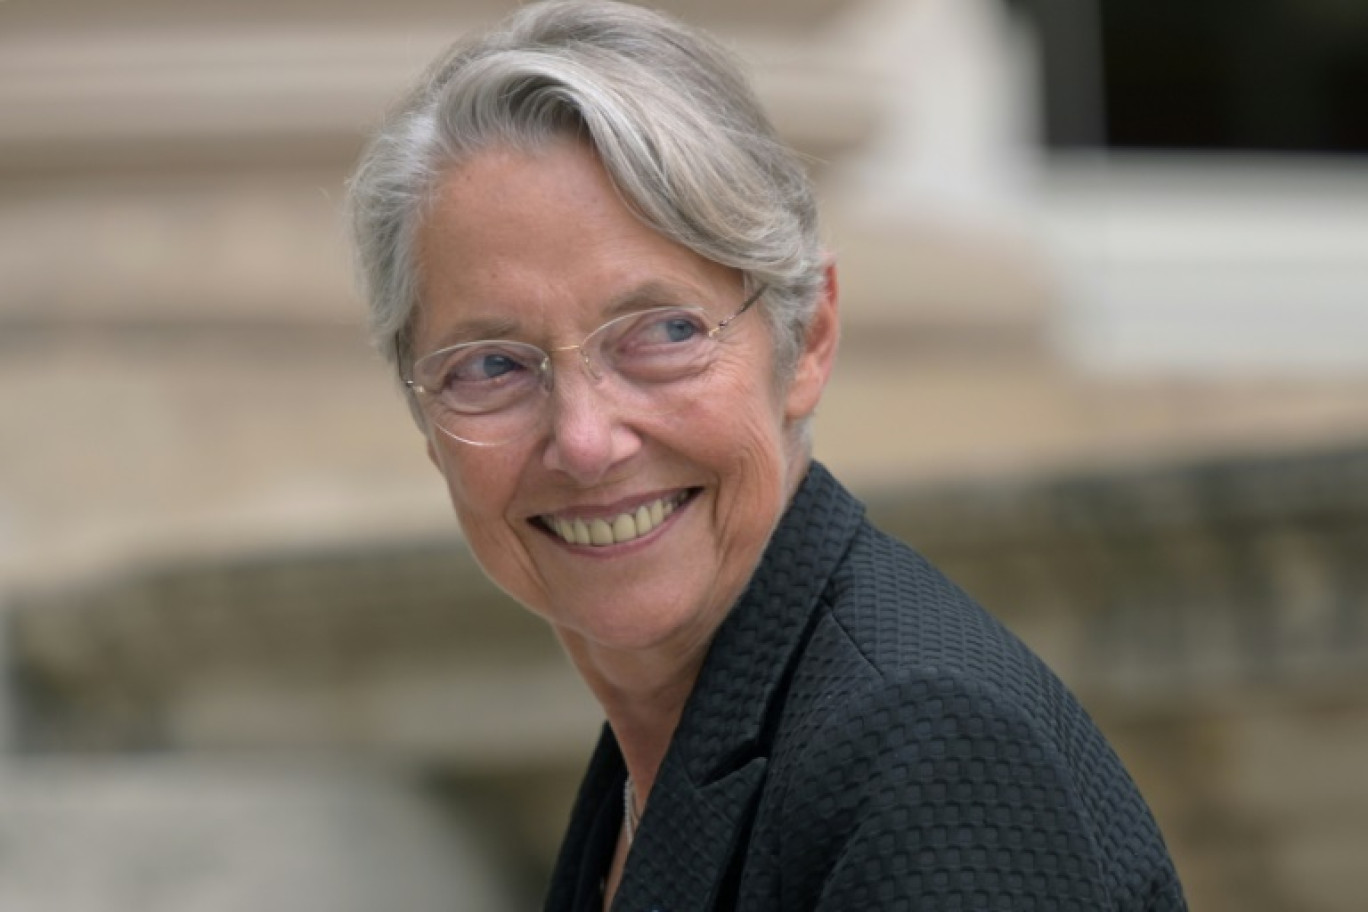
x: 615, y: 530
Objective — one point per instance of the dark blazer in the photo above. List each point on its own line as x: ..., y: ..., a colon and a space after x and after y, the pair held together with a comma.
x: 863, y: 736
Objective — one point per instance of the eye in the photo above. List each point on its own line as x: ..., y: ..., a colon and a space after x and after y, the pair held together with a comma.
x: 666, y: 328
x: 480, y: 369
x: 659, y: 346
x: 483, y: 366
x: 679, y: 329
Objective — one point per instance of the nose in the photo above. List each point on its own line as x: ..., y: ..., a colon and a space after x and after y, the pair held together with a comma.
x: 583, y: 356
x: 587, y: 434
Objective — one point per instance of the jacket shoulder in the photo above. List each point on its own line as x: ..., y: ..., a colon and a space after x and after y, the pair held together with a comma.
x: 921, y: 737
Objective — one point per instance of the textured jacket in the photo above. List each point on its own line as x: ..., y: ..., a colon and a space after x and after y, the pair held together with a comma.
x: 864, y: 737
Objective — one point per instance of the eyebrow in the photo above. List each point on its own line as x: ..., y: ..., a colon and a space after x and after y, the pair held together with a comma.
x: 651, y: 293
x: 478, y: 329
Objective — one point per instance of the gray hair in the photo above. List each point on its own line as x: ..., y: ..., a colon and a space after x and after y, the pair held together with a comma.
x: 670, y: 116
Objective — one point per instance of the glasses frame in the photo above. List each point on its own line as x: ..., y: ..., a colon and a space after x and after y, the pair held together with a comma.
x: 545, y: 371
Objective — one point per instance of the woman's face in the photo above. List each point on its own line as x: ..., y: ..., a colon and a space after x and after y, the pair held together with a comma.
x: 538, y: 247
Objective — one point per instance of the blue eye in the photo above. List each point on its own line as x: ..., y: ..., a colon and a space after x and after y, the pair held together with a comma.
x: 480, y: 378
x: 654, y: 329
x: 487, y: 364
x: 489, y: 367
x: 679, y: 329
x: 658, y: 346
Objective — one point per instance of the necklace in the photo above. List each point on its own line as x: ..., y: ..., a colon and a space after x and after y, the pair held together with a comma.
x: 630, y: 818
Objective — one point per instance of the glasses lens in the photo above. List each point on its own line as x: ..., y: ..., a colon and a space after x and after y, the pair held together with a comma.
x: 657, y: 346
x: 483, y: 392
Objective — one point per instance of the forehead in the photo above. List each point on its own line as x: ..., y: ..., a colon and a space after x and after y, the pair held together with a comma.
x: 540, y: 242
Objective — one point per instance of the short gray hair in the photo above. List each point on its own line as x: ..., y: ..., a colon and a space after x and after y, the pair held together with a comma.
x: 669, y: 114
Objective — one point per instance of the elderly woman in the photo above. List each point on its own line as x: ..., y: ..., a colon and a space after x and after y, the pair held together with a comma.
x: 597, y: 270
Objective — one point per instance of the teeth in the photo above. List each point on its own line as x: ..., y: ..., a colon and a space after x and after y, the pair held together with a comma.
x: 575, y: 531
x: 622, y: 528
x: 600, y: 533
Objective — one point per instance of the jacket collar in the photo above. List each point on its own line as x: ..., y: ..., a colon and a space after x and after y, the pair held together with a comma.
x: 702, y: 801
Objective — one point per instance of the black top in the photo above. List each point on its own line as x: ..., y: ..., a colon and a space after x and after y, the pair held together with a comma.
x: 863, y: 736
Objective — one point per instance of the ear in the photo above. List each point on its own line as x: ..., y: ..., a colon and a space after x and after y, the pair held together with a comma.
x: 819, y: 353
x: 432, y: 454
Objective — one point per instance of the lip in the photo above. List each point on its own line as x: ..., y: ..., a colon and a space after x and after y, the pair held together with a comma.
x: 611, y: 528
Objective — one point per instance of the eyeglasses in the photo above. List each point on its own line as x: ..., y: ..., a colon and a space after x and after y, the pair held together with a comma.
x: 491, y: 392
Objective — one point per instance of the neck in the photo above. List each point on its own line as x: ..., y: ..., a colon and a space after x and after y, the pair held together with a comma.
x: 643, y: 695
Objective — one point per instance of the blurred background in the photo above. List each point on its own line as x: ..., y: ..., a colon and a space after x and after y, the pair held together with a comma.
x: 1104, y: 267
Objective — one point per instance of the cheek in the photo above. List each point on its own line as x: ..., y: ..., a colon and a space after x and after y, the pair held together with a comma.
x: 749, y: 452
x: 481, y: 485
x: 735, y: 439
x: 745, y: 387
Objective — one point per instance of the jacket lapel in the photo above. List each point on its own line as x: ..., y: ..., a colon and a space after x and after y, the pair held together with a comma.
x: 680, y: 858
x: 704, y: 796
x: 577, y: 881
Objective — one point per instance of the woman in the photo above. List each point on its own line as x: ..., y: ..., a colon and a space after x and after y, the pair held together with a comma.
x: 597, y: 270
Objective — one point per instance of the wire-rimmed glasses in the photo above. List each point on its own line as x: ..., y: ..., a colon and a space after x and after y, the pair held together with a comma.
x: 495, y: 391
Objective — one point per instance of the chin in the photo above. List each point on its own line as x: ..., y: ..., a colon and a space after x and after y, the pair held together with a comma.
x: 626, y: 625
